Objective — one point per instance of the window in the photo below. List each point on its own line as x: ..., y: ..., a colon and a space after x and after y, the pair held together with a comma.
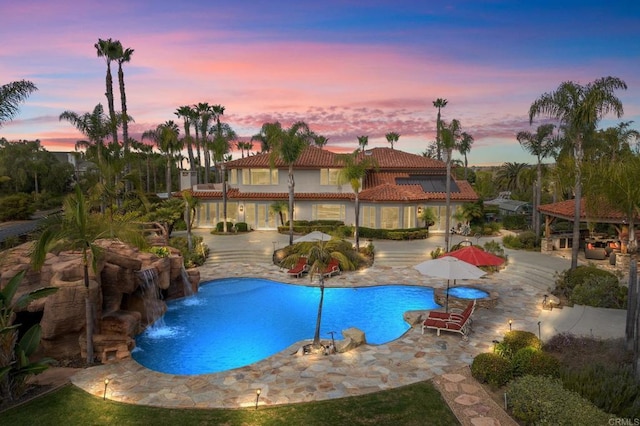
x: 233, y: 176
x: 328, y: 212
x: 329, y: 176
x: 389, y: 218
x: 409, y: 220
x: 368, y: 217
x: 259, y: 176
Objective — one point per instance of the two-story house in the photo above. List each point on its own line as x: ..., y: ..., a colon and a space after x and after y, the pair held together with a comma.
x: 392, y: 196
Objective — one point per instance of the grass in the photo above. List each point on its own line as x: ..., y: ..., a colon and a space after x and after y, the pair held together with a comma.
x: 416, y: 404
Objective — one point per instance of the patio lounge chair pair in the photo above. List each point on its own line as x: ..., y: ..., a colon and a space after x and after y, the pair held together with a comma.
x: 300, y: 268
x: 458, y: 322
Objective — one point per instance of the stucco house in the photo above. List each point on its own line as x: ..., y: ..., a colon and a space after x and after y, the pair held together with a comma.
x: 392, y: 195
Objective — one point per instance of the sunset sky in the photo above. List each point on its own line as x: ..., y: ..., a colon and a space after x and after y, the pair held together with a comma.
x: 347, y: 68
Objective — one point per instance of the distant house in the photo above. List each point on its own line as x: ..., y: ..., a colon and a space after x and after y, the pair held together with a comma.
x: 507, y: 206
x: 392, y: 195
x: 74, y: 158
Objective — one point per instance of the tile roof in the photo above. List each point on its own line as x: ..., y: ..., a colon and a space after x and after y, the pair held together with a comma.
x: 311, y: 157
x: 565, y: 209
x: 388, y: 158
x: 382, y: 186
x: 234, y: 194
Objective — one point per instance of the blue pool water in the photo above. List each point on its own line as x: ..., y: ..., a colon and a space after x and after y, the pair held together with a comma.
x: 235, y: 322
x: 462, y: 292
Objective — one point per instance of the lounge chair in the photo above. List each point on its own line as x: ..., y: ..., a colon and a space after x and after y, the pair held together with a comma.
x: 458, y: 322
x: 300, y: 268
x: 333, y: 267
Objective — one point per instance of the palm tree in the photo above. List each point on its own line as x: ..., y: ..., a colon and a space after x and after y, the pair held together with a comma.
x: 205, y: 114
x: 508, y: 175
x: 428, y: 216
x: 190, y: 206
x: 392, y: 137
x: 279, y: 207
x: 616, y: 184
x: 541, y: 144
x: 579, y: 108
x: 76, y: 229
x: 108, y: 49
x: 363, y: 141
x: 464, y: 147
x: 94, y: 125
x: 122, y: 56
x: 165, y: 136
x: 11, y: 95
x: 439, y: 103
x: 320, y: 141
x: 186, y: 113
x: 354, y: 171
x: 223, y: 135
x: 287, y: 145
x: 450, y: 137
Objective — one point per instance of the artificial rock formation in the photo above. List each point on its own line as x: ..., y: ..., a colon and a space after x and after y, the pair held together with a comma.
x: 127, y: 292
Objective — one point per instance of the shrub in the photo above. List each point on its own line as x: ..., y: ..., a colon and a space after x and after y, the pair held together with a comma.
x: 242, y: 227
x: 195, y: 257
x: 494, y: 247
x: 18, y: 206
x: 514, y: 222
x: 518, y: 339
x: 532, y: 361
x: 543, y: 400
x: 601, y: 292
x: 492, y: 369
x: 439, y: 251
x: 569, y: 279
x: 159, y: 251
x: 612, y: 388
x: 220, y: 227
x: 528, y: 240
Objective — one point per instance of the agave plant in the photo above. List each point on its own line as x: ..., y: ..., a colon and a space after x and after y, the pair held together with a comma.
x: 15, y: 363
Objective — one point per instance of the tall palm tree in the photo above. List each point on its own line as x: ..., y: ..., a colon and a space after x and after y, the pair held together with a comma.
x: 579, y: 108
x: 279, y: 207
x: 354, y: 171
x: 363, y: 141
x: 616, y: 184
x: 439, y: 103
x: 223, y: 135
x: 541, y: 144
x: 11, y: 95
x: 286, y: 146
x: 122, y: 56
x: 464, y: 147
x: 205, y: 115
x: 392, y: 137
x: 108, y: 49
x: 165, y: 136
x: 450, y: 137
x: 508, y: 175
x: 268, y: 131
x: 186, y: 113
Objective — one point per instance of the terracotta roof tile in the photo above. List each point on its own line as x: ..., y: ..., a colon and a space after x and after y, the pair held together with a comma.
x: 564, y: 210
x: 311, y: 157
x: 388, y: 158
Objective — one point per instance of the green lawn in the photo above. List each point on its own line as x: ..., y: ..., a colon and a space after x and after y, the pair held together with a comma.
x: 417, y: 404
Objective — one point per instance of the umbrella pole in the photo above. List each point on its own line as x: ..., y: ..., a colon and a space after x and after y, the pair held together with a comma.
x: 446, y: 303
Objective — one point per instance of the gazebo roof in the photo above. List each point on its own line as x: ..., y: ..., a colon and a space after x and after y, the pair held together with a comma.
x: 565, y: 210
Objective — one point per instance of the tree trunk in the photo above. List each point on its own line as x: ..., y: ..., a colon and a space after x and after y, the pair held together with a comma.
x: 168, y: 177
x: 316, y: 335
x: 536, y: 202
x: 357, y: 230
x: 447, y: 218
x: 292, y: 185
x: 578, y: 197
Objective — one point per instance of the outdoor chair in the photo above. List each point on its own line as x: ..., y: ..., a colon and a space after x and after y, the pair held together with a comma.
x: 458, y: 322
x: 332, y: 268
x: 300, y: 268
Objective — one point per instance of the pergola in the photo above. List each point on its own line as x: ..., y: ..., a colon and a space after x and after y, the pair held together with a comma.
x: 599, y: 214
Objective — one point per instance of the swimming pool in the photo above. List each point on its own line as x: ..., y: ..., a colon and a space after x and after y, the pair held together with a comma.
x: 235, y: 322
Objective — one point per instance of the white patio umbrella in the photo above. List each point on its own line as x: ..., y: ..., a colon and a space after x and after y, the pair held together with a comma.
x: 450, y: 268
x: 312, y: 237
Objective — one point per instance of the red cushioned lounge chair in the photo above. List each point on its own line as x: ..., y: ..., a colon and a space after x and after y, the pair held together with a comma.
x: 300, y: 268
x: 458, y: 322
x: 333, y: 268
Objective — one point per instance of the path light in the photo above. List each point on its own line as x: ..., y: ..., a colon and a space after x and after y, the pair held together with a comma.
x: 539, y: 338
x: 106, y: 383
x: 257, y: 396
x: 510, y: 321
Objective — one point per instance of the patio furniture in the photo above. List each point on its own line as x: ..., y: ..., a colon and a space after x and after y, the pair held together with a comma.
x: 333, y: 267
x: 458, y: 322
x: 300, y: 268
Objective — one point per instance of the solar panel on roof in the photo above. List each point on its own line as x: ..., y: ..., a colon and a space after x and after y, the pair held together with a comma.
x: 428, y: 183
